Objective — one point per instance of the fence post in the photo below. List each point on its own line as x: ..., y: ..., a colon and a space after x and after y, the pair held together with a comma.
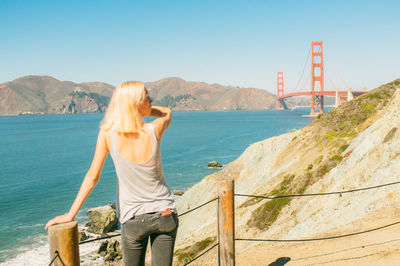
x: 64, y: 239
x: 226, y: 227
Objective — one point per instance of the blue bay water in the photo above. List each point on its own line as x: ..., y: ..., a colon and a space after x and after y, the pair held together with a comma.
x: 44, y: 159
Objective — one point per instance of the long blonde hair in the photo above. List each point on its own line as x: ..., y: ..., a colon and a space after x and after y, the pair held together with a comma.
x: 123, y: 114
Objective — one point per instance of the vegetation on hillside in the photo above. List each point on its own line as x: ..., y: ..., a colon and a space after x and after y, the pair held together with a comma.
x: 169, y: 101
x: 101, y: 100
x: 188, y: 253
x: 331, y: 134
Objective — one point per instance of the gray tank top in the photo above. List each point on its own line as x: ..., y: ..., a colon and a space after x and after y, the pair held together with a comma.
x: 141, y: 186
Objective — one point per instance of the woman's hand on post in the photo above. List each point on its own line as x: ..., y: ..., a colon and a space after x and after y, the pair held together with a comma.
x: 65, y: 218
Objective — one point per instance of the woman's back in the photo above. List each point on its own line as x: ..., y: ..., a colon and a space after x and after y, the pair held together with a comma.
x: 141, y: 186
x: 135, y: 147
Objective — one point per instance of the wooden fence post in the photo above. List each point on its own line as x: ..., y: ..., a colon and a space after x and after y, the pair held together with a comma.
x: 64, y: 239
x: 226, y: 228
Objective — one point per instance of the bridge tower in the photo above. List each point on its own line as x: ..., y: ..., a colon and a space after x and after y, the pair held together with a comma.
x: 279, y: 88
x: 317, y: 77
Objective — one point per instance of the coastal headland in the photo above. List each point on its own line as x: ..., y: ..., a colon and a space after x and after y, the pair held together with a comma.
x: 353, y: 146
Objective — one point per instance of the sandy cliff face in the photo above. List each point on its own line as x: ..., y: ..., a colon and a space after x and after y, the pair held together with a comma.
x: 355, y: 146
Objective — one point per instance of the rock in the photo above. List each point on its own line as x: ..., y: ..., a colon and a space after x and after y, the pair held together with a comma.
x: 102, y: 220
x: 110, y: 250
x: 103, y: 248
x: 178, y: 193
x: 82, y: 236
x: 214, y: 164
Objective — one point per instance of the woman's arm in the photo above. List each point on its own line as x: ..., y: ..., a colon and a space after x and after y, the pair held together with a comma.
x: 91, y: 179
x: 162, y: 123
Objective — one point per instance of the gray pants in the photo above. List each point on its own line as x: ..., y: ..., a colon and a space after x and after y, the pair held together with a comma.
x: 162, y: 233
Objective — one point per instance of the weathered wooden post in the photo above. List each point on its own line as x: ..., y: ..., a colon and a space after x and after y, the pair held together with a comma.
x: 226, y: 230
x: 63, y: 238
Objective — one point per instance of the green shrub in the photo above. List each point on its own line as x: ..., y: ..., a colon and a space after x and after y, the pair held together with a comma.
x: 343, y: 148
x: 337, y: 158
x: 188, y: 253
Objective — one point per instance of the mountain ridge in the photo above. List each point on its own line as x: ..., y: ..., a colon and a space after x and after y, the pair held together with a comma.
x: 48, y: 95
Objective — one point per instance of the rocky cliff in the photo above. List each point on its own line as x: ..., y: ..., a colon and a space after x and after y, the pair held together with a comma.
x: 353, y: 146
x: 44, y: 94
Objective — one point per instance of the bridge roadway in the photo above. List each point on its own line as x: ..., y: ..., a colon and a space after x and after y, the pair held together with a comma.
x: 323, y: 93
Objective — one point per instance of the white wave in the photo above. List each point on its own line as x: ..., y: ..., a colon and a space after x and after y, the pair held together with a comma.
x: 39, y: 254
x: 29, y: 226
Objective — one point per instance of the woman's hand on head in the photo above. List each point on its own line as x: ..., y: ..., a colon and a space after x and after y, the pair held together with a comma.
x: 65, y: 218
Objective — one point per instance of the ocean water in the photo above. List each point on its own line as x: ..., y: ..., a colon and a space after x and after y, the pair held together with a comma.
x: 45, y: 157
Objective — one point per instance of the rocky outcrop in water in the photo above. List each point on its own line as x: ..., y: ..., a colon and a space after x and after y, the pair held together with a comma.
x: 214, y: 164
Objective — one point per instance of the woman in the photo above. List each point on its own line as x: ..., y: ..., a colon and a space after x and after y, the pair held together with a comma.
x: 145, y: 205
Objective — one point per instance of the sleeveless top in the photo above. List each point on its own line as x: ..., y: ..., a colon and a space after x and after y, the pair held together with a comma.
x: 141, y: 186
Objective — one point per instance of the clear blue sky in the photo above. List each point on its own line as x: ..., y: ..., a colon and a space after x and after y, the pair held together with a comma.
x: 240, y: 43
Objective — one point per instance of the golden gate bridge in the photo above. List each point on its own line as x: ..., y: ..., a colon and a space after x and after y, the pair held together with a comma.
x: 317, y: 91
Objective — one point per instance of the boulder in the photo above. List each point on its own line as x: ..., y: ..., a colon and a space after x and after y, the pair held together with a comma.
x: 102, y: 220
x: 214, y: 164
x: 178, y: 193
x: 82, y: 236
x: 110, y: 250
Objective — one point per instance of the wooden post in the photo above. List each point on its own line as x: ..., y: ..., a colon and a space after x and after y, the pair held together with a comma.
x: 64, y: 239
x: 226, y: 230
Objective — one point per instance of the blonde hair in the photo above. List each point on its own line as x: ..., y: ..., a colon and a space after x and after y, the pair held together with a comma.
x: 123, y: 114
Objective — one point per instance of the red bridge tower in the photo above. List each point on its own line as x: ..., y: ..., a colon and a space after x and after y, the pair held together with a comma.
x: 279, y: 88
x: 317, y: 78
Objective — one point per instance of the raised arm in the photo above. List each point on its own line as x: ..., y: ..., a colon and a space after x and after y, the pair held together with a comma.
x: 164, y: 115
x: 89, y: 182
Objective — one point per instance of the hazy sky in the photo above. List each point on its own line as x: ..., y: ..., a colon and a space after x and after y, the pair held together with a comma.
x: 240, y: 43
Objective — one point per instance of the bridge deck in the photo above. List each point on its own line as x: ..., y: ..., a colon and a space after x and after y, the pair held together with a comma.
x: 323, y: 93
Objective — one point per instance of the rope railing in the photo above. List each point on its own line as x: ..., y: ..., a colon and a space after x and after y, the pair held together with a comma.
x: 115, y: 235
x: 99, y: 238
x: 198, y: 207
x: 318, y: 239
x: 319, y: 194
x: 55, y: 257
x: 225, y: 232
x: 198, y: 256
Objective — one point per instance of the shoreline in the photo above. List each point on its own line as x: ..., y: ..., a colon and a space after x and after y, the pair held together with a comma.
x: 177, y: 111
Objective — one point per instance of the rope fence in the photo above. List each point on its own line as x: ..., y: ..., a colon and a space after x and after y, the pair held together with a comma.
x: 198, y: 256
x: 55, y: 257
x: 115, y: 235
x: 225, y: 219
x: 319, y: 194
x: 198, y: 207
x: 317, y: 239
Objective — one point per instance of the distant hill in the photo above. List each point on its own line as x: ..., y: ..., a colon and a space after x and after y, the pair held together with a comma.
x: 200, y: 96
x: 45, y: 94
